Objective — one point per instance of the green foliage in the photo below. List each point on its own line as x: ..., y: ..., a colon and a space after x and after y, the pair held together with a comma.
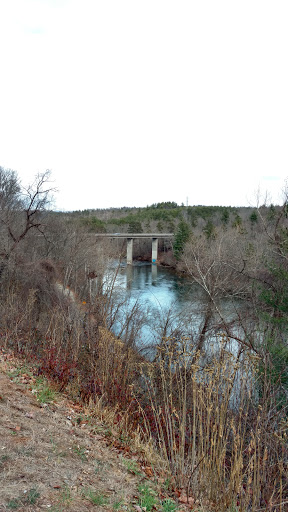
x: 271, y: 212
x: 171, y: 226
x: 210, y: 230
x: 131, y: 466
x: 253, y: 217
x: 168, y: 205
x: 181, y: 237
x: 225, y: 216
x: 119, y: 505
x: 148, y: 500
x: 208, y: 212
x: 275, y: 315
x: 165, y: 215
x: 283, y: 239
x: 96, y: 498
x: 18, y: 372
x: 169, y: 506
x: 148, y: 214
x: 279, y: 369
x: 238, y: 224
x: 135, y: 226
x: 276, y: 296
x: 13, y: 504
x: 147, y: 497
x: 94, y: 224
x: 28, y: 498
x: 44, y: 392
x: 32, y: 496
x: 81, y: 451
x: 168, y: 214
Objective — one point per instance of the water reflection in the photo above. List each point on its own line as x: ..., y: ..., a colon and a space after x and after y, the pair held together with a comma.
x: 154, y: 303
x: 170, y: 305
x: 159, y: 285
x: 154, y: 272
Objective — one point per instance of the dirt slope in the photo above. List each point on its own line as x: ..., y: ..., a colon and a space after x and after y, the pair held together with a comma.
x: 50, y: 459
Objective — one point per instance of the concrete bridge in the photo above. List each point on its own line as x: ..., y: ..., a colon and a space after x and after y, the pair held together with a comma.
x: 131, y: 236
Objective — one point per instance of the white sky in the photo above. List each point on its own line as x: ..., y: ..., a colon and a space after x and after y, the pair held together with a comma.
x: 132, y: 102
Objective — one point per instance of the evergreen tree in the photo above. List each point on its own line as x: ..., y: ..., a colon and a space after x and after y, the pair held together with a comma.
x: 181, y: 237
x: 225, y: 217
x: 135, y: 226
x: 210, y: 230
x: 253, y: 217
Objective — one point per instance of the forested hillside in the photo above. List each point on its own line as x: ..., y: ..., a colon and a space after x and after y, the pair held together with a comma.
x: 165, y: 218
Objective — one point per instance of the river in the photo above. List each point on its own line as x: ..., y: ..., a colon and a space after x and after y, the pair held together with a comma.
x: 152, y: 301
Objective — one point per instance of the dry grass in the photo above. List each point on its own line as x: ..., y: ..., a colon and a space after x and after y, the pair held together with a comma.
x: 47, y: 450
x: 205, y: 422
x: 58, y: 455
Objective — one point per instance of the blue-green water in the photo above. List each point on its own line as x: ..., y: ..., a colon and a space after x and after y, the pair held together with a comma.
x: 160, y: 286
x: 153, y: 302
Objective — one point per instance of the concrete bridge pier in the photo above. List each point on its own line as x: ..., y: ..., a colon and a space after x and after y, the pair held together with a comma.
x: 154, y: 250
x: 129, y: 251
x: 154, y: 271
x: 130, y: 237
x: 129, y: 276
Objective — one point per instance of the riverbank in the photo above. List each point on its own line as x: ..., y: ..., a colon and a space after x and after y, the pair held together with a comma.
x: 190, y: 430
x: 165, y: 259
x: 56, y: 454
x: 176, y: 408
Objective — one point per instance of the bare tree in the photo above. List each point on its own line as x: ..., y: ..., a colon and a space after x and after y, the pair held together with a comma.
x: 223, y: 267
x: 21, y: 209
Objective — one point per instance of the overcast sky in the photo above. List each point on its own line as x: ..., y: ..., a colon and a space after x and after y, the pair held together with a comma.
x: 132, y: 102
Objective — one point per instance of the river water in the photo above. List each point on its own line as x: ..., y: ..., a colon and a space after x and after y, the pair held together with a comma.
x: 153, y: 301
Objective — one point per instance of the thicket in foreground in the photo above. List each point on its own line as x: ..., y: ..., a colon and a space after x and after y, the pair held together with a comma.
x: 220, y: 438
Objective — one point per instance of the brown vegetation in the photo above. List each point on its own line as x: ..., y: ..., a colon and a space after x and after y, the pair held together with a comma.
x: 52, y: 457
x: 216, y: 423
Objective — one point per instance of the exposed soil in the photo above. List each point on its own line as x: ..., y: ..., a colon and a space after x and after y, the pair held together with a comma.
x: 50, y: 458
